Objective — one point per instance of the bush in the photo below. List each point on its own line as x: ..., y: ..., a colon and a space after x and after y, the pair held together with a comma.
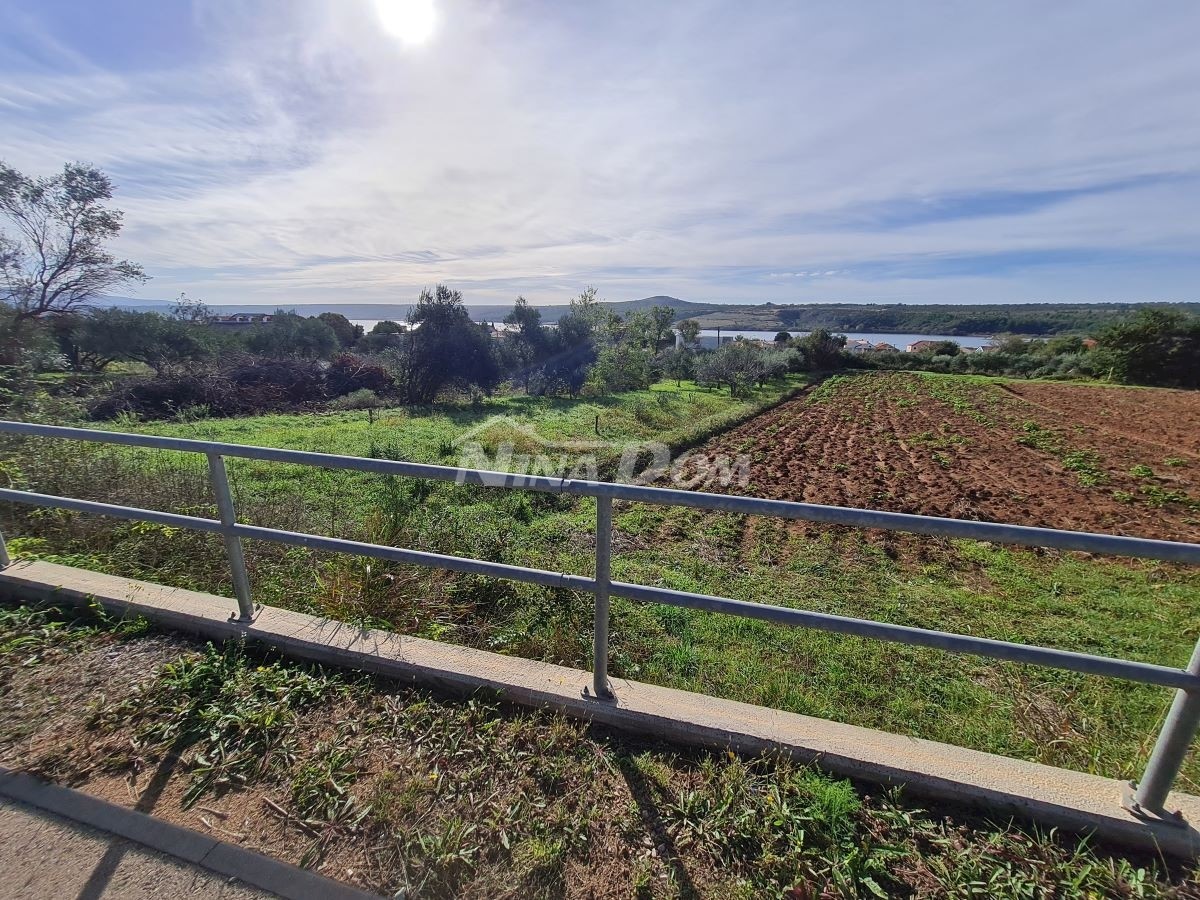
x: 620, y: 368
x: 267, y: 384
x: 161, y: 398
x: 260, y: 386
x: 349, y: 374
x: 288, y: 334
x: 360, y: 399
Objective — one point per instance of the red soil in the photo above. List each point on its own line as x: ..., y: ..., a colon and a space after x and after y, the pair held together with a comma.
x: 949, y: 447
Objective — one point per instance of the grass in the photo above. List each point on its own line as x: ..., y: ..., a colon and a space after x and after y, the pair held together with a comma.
x: 664, y: 412
x: 404, y: 793
x: 1141, y: 612
x: 244, y: 716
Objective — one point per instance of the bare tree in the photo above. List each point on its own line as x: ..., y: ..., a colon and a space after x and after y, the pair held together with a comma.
x: 56, y: 259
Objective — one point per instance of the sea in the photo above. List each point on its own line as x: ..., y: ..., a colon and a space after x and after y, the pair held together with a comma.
x: 708, y: 336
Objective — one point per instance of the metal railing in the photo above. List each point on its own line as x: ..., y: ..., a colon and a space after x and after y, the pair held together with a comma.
x: 1147, y: 799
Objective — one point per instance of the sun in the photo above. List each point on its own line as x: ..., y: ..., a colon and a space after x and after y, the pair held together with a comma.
x: 411, y: 21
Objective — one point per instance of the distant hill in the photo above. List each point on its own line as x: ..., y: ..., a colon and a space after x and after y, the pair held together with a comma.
x: 684, y: 309
x: 399, y: 311
x: 1029, y: 319
x: 897, y: 318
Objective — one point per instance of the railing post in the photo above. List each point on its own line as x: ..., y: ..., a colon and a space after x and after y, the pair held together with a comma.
x: 603, y: 576
x: 5, y: 560
x: 233, y: 543
x: 1150, y: 795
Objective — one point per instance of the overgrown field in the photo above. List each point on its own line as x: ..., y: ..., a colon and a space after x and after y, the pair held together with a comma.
x: 410, y: 795
x: 932, y: 444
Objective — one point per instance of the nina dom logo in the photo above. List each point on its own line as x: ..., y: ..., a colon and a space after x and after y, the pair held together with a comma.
x: 507, y: 446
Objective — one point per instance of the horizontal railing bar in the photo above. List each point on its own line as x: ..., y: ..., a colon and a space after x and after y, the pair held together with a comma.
x: 315, y: 542
x: 422, y: 558
x: 134, y: 513
x: 1147, y: 673
x: 1024, y: 535
x: 1116, y: 545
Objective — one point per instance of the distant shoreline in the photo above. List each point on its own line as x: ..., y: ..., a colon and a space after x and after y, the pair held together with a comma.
x: 955, y: 320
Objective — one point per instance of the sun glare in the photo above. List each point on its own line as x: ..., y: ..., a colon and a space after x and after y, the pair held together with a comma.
x: 409, y: 20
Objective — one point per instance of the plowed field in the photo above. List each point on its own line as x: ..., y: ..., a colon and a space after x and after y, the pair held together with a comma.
x: 1123, y: 461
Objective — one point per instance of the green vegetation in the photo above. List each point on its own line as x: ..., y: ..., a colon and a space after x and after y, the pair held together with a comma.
x: 1030, y: 319
x: 1098, y: 606
x: 402, y: 792
x: 1153, y: 346
x: 1085, y: 463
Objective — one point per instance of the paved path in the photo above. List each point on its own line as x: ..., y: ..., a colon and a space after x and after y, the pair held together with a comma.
x: 57, y: 842
x: 44, y: 856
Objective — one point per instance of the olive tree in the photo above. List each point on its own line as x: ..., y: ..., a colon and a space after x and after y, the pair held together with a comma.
x: 445, y: 348
x: 690, y: 329
x: 164, y: 343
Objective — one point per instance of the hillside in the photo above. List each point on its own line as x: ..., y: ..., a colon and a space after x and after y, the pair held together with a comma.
x: 958, y: 319
x: 899, y: 318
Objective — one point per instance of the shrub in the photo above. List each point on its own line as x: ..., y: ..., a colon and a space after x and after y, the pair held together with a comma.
x: 348, y: 374
x: 161, y: 398
x: 266, y: 384
x: 259, y: 386
x: 360, y: 399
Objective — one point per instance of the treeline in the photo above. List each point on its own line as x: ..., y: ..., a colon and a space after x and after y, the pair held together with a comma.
x: 293, y: 362
x: 296, y: 362
x: 1024, y: 319
x: 1156, y: 346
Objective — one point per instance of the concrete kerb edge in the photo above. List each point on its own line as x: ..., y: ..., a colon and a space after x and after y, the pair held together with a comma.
x: 383, y: 653
x: 180, y: 843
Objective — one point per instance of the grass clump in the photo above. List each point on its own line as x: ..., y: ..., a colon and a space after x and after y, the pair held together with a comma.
x: 773, y: 825
x: 238, y: 720
x: 28, y: 633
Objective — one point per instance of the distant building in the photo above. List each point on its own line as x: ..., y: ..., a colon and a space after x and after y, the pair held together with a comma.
x: 858, y: 345
x: 881, y: 347
x: 921, y: 346
x: 1090, y: 343
x: 240, y: 320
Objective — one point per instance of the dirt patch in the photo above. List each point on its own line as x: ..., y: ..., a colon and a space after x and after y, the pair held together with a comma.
x: 1163, y: 422
x: 952, y: 447
x: 47, y: 694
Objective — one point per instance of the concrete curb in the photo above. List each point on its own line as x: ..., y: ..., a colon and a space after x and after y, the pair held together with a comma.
x: 228, y: 860
x: 999, y: 785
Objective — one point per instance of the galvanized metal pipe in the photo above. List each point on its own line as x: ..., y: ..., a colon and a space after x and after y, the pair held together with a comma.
x: 1171, y: 748
x: 233, y: 544
x: 137, y: 514
x: 1114, y: 545
x: 603, y: 576
x: 5, y: 560
x: 1147, y: 673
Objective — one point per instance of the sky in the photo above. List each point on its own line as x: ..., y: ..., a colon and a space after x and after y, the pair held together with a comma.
x: 296, y: 151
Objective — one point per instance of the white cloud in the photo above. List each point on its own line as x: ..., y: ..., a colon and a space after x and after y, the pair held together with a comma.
x: 700, y: 150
